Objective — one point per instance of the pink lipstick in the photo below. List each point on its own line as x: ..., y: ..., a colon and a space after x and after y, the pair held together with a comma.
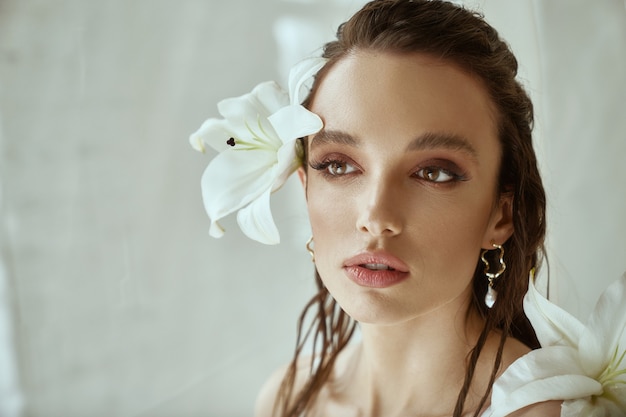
x: 376, y: 269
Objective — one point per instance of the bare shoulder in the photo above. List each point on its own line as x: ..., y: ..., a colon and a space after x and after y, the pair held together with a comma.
x: 545, y: 409
x: 269, y: 391
x: 513, y: 350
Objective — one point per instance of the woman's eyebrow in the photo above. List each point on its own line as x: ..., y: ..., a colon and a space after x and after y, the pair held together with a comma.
x: 429, y: 140
x: 324, y: 137
x: 435, y: 140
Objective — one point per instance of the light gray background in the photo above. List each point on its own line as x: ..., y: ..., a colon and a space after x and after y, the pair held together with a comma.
x: 114, y: 301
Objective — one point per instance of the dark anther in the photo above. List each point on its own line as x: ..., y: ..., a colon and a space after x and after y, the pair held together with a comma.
x: 231, y: 142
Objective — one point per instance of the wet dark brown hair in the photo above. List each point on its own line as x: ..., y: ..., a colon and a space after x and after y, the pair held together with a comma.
x: 462, y: 38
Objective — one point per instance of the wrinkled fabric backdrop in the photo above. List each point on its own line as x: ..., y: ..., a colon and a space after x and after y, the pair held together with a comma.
x: 114, y: 300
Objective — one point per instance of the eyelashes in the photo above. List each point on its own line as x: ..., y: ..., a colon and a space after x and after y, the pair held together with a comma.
x: 333, y: 167
x: 439, y: 175
x: 438, y: 172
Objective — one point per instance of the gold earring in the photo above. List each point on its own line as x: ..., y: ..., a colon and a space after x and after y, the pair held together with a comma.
x: 310, y: 249
x: 492, y: 295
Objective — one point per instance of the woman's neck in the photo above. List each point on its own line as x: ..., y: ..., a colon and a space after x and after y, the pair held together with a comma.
x: 417, y: 366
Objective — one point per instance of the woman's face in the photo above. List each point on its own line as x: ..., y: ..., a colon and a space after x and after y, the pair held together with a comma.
x: 402, y: 185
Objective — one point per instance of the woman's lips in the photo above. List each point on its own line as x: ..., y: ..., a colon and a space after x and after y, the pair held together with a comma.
x: 376, y: 269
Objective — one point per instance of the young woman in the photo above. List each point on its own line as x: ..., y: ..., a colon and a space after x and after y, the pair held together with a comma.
x: 424, y: 162
x: 426, y: 207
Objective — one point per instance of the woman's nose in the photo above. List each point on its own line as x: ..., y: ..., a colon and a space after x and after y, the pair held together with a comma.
x: 380, y: 211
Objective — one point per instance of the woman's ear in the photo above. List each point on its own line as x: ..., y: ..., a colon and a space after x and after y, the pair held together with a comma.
x: 501, y: 225
x: 302, y: 176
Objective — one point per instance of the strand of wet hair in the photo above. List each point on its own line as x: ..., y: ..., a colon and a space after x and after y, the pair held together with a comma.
x: 494, y: 372
x: 329, y: 321
x: 472, y: 362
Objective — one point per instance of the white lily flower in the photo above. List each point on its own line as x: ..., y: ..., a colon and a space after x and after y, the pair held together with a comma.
x: 256, y: 141
x: 585, y: 366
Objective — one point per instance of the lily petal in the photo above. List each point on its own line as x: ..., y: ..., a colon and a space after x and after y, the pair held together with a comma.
x: 301, y: 73
x: 260, y: 129
x: 550, y: 373
x: 604, y: 329
x: 552, y: 324
x: 580, y: 407
x: 599, y: 407
x: 265, y: 99
x: 271, y: 96
x: 247, y: 114
x: 256, y: 220
x: 214, y: 133
x: 241, y: 115
x: 294, y: 122
x: 216, y: 230
x: 288, y: 163
x: 548, y: 389
x: 225, y: 190
x: 616, y: 395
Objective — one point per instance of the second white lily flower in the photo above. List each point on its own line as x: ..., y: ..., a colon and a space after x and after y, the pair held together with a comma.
x: 585, y: 366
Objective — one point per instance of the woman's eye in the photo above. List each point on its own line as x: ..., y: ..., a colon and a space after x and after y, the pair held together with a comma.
x: 334, y: 168
x: 435, y: 174
x: 339, y: 168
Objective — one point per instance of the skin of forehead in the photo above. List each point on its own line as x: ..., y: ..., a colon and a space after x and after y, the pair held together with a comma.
x: 393, y: 72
